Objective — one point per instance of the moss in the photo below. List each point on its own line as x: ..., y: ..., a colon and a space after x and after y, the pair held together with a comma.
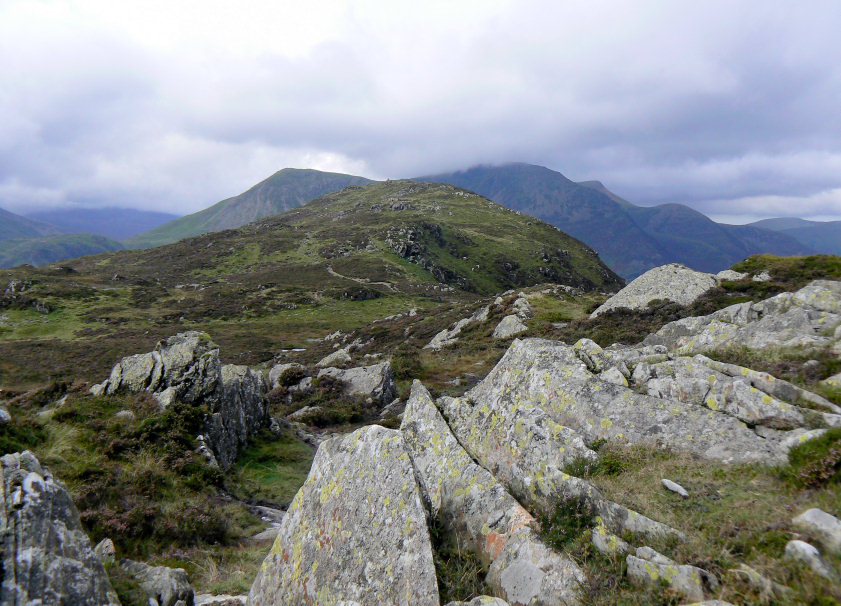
x: 816, y: 462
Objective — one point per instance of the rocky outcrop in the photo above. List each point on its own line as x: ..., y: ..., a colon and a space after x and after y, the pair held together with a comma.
x: 648, y: 567
x: 186, y: 368
x: 550, y: 376
x: 355, y: 532
x: 806, y: 318
x: 375, y: 382
x: 674, y: 282
x: 46, y: 556
x: 164, y: 586
x: 482, y: 514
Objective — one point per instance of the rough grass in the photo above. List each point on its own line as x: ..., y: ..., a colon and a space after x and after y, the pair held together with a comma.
x: 460, y: 574
x: 735, y: 514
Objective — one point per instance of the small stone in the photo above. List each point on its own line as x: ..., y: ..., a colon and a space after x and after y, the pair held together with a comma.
x: 206, y: 599
x: 167, y: 586
x: 652, y: 555
x: 5, y: 417
x: 608, y: 543
x: 481, y: 600
x: 105, y: 550
x: 690, y: 581
x: 337, y: 358
x: 675, y: 487
x: 803, y: 552
x: 124, y: 416
x: 825, y: 527
x: 764, y: 276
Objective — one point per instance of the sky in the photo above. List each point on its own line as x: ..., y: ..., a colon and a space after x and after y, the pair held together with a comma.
x: 733, y: 108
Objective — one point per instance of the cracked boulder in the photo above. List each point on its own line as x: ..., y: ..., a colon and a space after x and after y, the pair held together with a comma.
x: 356, y: 531
x: 482, y: 514
x: 186, y: 368
x: 46, y: 556
x: 549, y: 375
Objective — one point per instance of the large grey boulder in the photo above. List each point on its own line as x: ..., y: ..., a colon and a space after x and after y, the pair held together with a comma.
x: 806, y: 554
x: 46, y: 556
x: 164, y: 586
x: 186, y: 368
x: 187, y: 364
x: 551, y: 376
x: 355, y: 532
x: 375, y: 381
x: 483, y: 515
x: 674, y: 282
x: 806, y: 318
x: 509, y: 326
x: 277, y: 371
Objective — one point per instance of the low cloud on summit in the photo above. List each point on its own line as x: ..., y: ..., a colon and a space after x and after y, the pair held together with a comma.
x: 730, y: 107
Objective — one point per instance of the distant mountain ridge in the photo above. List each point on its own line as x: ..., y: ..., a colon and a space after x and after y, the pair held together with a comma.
x: 284, y: 190
x: 112, y: 222
x: 821, y: 236
x: 49, y: 249
x: 16, y: 226
x: 630, y: 239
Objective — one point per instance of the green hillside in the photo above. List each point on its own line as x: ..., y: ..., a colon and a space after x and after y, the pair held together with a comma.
x: 39, y: 251
x: 287, y: 188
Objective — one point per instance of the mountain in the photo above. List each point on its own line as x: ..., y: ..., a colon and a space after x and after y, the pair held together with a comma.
x: 399, y: 235
x: 287, y: 188
x: 16, y: 226
x: 48, y: 249
x: 820, y: 236
x: 630, y: 239
x: 115, y: 223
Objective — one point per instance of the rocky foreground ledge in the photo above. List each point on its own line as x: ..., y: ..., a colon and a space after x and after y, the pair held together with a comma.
x: 483, y: 464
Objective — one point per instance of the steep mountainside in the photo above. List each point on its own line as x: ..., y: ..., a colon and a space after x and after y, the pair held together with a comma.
x: 287, y: 188
x: 38, y: 251
x: 820, y: 236
x: 631, y: 239
x: 15, y: 226
x: 114, y: 223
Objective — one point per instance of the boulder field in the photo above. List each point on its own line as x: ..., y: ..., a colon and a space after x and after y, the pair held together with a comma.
x: 481, y: 466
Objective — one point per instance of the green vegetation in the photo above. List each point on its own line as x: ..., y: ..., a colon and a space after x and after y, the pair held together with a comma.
x: 735, y: 514
x: 461, y: 576
x: 817, y: 462
x: 285, y: 189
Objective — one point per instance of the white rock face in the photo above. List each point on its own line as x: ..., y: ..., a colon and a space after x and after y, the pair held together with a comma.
x: 826, y: 527
x: 509, y: 326
x: 730, y: 275
x: 674, y: 282
x: 338, y: 357
x: 448, y: 336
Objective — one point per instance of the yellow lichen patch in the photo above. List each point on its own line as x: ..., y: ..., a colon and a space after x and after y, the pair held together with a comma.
x: 606, y: 423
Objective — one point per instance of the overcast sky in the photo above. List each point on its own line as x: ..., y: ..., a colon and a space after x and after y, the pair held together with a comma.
x: 731, y: 107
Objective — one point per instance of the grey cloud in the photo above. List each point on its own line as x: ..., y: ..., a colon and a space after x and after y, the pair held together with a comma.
x: 718, y: 104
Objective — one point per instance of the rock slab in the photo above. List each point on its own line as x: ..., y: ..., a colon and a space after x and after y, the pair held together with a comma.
x: 355, y: 532
x: 46, y: 556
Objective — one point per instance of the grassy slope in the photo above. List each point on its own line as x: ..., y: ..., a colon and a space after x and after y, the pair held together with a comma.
x: 48, y: 249
x: 282, y: 191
